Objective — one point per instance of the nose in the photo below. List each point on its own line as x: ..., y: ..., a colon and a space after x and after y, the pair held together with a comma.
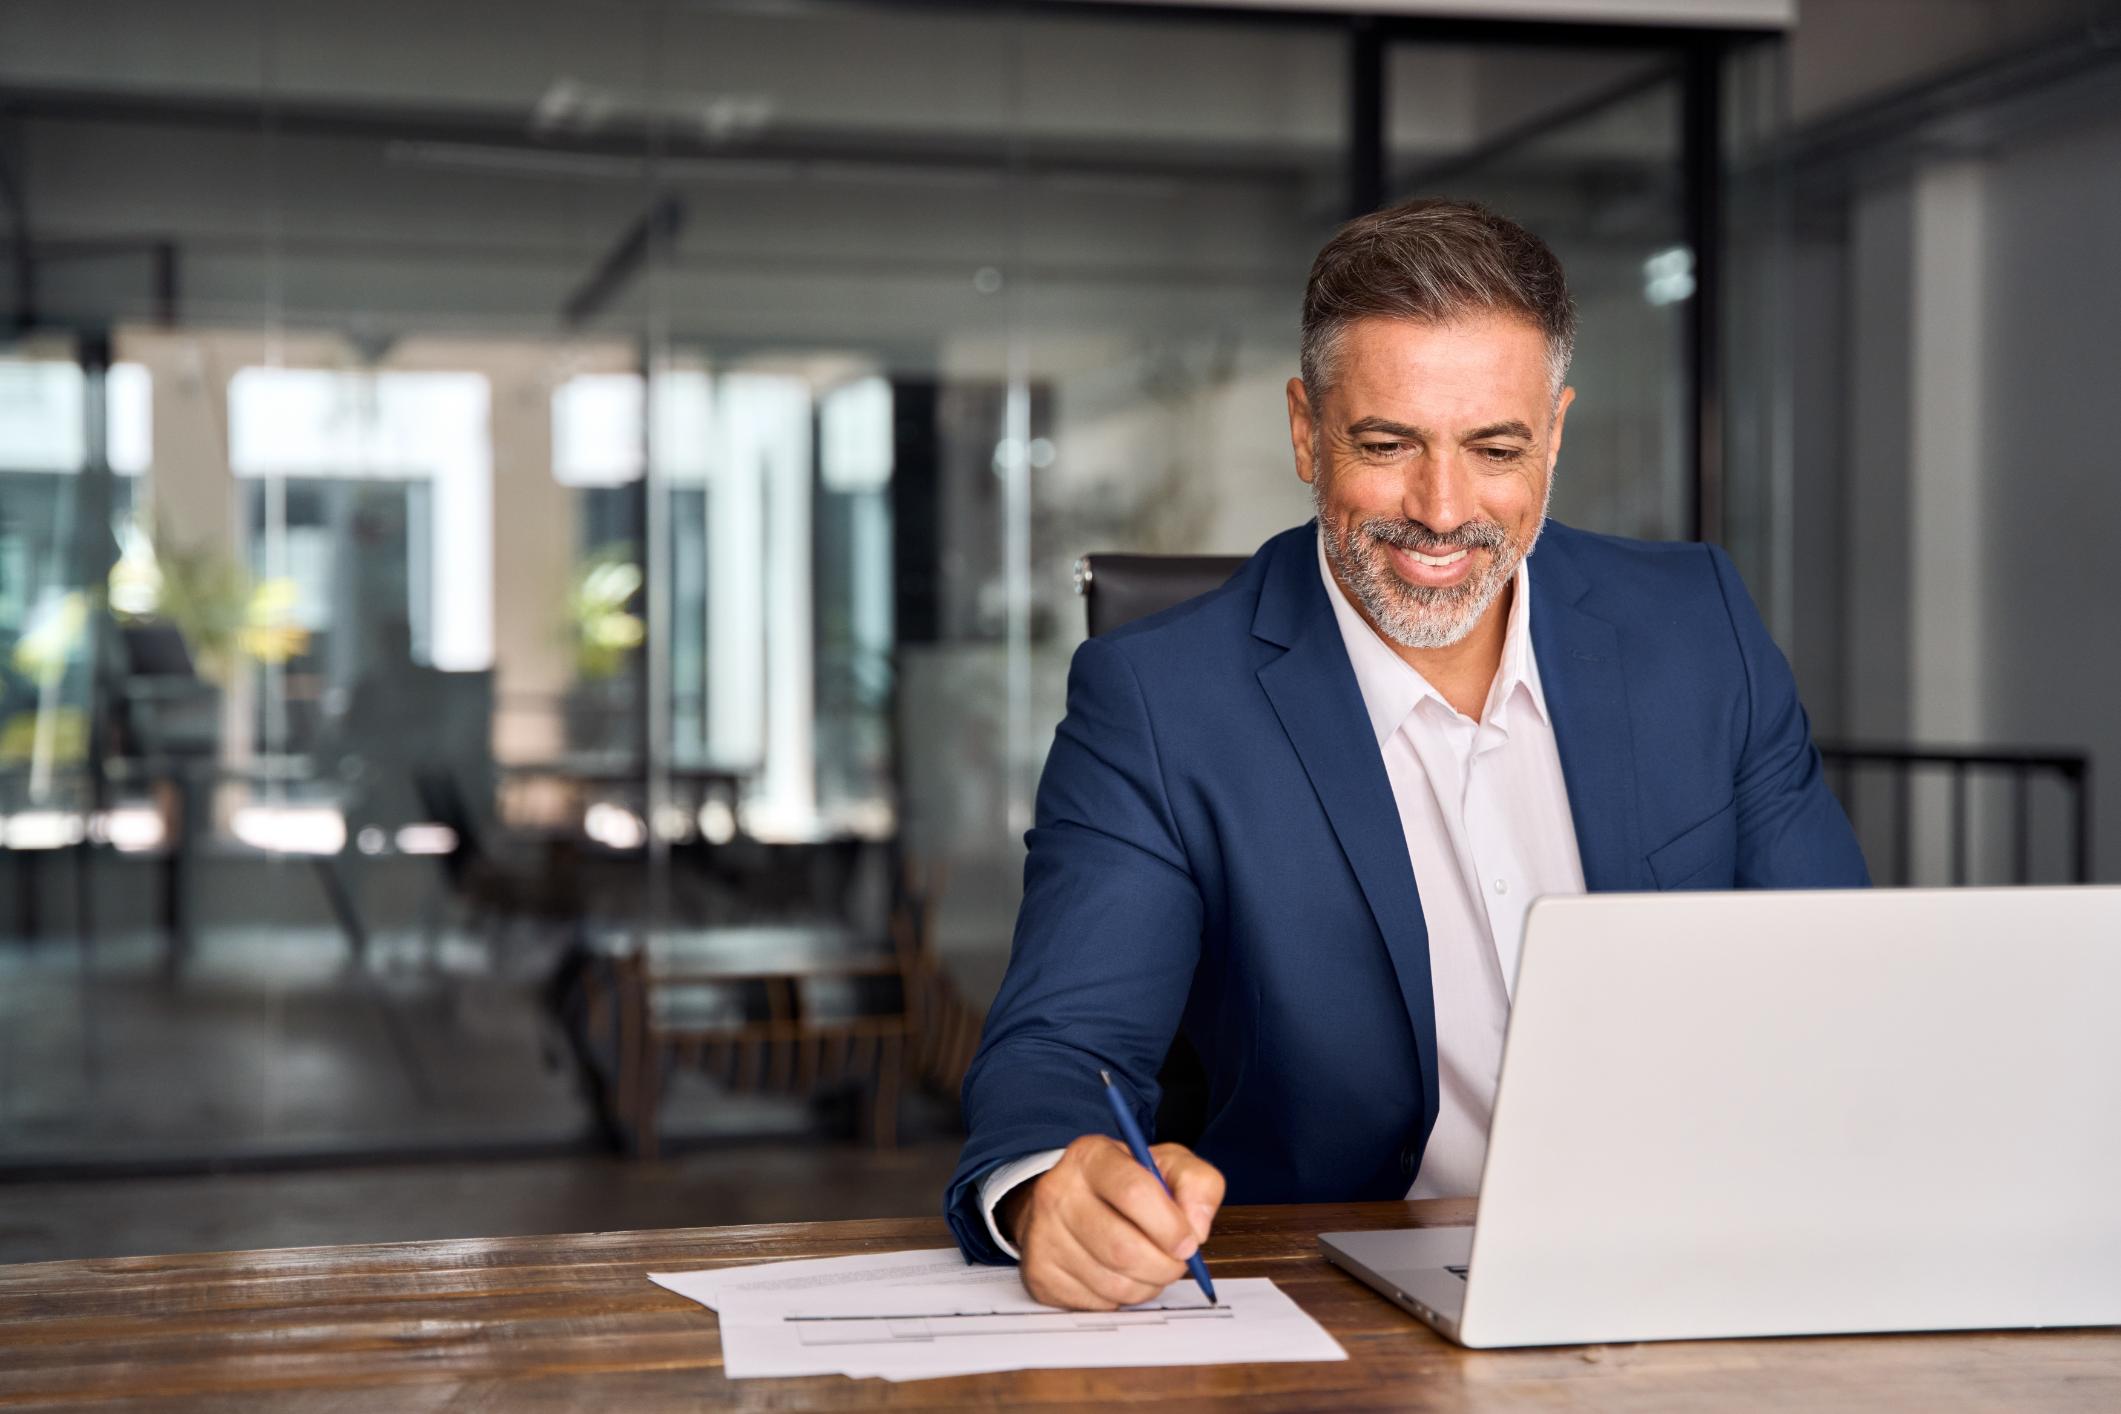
x: 1437, y: 492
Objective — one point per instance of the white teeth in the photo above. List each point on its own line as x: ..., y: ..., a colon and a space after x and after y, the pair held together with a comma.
x: 1451, y: 559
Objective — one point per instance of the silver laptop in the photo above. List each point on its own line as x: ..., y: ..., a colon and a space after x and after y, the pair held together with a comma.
x: 1753, y: 1114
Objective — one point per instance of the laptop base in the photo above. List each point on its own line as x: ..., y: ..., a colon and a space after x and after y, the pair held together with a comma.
x: 1420, y: 1270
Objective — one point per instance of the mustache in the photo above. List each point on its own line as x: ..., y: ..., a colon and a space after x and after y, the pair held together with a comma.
x: 1413, y: 535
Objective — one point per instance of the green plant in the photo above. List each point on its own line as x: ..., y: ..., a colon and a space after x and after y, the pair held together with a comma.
x: 223, y: 614
x: 600, y: 617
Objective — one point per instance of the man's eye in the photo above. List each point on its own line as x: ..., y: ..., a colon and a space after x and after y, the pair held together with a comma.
x: 1382, y: 449
x: 1501, y: 454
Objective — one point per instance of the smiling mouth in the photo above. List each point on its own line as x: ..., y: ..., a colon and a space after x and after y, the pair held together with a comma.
x: 1439, y: 561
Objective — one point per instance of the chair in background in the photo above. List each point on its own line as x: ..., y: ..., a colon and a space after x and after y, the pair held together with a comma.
x: 166, y: 708
x: 490, y: 883
x: 1116, y: 590
x: 414, y: 747
x: 168, y: 722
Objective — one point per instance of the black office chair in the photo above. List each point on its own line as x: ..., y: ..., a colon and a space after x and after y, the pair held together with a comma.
x: 1119, y: 589
x: 166, y: 710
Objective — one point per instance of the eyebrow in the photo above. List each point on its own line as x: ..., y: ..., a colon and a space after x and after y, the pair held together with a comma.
x: 1512, y: 428
x: 1382, y: 424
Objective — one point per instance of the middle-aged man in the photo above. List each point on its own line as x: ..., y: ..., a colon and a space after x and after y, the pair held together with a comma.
x: 1298, y: 821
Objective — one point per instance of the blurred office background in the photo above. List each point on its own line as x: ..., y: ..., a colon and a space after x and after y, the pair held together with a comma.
x: 535, y: 537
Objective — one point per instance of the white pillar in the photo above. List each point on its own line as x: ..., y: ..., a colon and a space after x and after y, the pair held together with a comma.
x: 1947, y: 345
x: 192, y: 491
x: 1918, y: 569
x: 533, y: 540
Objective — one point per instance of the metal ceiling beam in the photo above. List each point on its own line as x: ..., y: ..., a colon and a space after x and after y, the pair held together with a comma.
x: 647, y: 239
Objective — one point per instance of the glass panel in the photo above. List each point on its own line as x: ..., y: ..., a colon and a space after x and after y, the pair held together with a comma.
x: 46, y: 624
x: 1760, y: 339
x: 354, y: 756
x: 855, y: 684
x: 569, y: 486
x: 1181, y: 178
x: 1583, y: 148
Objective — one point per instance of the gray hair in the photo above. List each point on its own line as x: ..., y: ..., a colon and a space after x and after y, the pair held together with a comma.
x: 1433, y: 260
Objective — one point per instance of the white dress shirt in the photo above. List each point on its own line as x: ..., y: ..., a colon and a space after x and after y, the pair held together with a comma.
x: 1485, y: 812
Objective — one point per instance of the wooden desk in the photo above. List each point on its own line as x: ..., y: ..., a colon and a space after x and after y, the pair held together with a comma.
x: 539, y: 1323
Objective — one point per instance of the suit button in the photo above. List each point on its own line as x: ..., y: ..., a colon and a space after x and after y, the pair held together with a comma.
x: 1408, y: 1158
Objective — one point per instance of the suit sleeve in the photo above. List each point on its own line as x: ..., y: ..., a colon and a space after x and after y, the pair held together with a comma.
x: 1792, y: 832
x: 1106, y: 943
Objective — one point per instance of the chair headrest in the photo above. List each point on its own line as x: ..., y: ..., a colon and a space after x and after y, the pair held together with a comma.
x: 1118, y: 589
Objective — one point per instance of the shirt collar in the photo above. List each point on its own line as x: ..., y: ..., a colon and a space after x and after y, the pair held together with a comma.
x: 1392, y: 688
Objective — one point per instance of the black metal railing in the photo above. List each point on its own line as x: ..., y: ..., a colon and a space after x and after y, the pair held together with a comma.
x: 1856, y: 770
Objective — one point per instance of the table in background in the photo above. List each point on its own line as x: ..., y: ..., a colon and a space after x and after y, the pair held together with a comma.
x: 533, y: 1323
x: 736, y: 1002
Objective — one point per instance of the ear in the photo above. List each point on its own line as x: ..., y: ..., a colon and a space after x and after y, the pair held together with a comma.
x: 1301, y: 429
x: 1561, y: 415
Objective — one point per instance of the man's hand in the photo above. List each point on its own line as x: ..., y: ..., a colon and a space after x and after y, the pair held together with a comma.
x: 1098, y: 1232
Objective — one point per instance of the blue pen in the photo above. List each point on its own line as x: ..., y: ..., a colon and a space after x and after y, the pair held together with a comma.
x: 1132, y: 1133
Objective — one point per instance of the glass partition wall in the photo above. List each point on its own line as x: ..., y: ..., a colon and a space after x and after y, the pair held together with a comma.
x: 496, y: 489
x: 1584, y: 147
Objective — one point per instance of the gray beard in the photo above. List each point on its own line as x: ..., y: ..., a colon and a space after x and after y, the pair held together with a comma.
x: 1416, y: 615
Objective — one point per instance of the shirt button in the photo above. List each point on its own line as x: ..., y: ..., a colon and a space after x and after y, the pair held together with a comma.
x: 1502, y: 886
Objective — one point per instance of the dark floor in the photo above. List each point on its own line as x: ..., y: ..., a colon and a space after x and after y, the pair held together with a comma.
x: 251, y: 1097
x: 269, y: 1044
x: 777, y: 1181
x: 268, y: 1041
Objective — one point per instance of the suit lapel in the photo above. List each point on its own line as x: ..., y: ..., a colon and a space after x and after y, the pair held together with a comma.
x: 1313, y: 690
x: 1580, y: 674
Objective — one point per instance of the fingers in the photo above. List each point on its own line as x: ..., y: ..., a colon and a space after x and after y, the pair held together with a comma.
x: 1098, y: 1231
x: 1134, y: 1193
x: 1059, y: 1270
x: 1074, y: 1260
x: 1118, y: 1245
x: 1050, y: 1281
x: 1196, y: 1185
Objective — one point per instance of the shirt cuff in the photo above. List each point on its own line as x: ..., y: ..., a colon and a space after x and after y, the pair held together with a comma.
x: 995, y: 1184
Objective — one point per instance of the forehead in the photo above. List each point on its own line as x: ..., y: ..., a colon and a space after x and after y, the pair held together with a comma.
x: 1477, y: 369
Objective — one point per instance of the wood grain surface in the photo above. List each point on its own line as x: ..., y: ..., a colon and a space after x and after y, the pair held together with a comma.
x: 542, y: 1323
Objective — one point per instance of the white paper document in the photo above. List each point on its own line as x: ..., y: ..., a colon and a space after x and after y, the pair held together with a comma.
x: 921, y: 1315
x: 768, y: 1279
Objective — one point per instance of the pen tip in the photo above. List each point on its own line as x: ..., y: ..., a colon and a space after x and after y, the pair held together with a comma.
x: 1102, y: 1075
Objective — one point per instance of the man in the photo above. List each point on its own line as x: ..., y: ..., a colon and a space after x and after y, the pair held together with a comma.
x: 1298, y: 821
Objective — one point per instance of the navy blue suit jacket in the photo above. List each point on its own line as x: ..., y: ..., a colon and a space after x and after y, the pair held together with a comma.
x: 1217, y: 852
